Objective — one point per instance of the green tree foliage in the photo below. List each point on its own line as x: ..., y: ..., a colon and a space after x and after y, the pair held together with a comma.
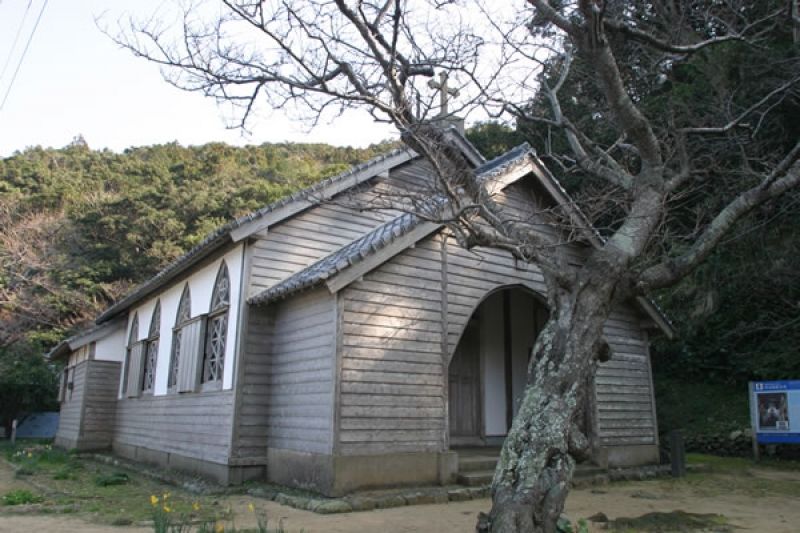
x: 80, y: 226
x: 28, y: 382
x: 737, y: 314
x: 493, y: 138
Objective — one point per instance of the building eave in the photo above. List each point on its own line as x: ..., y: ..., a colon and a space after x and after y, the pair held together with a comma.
x: 82, y: 338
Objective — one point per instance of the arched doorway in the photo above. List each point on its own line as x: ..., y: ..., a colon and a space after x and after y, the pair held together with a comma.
x: 487, y: 373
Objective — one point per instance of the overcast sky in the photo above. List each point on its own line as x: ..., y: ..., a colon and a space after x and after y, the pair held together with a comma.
x: 75, y: 81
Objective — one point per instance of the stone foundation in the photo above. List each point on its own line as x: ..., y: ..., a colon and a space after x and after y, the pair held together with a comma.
x: 339, y: 475
x: 223, y: 474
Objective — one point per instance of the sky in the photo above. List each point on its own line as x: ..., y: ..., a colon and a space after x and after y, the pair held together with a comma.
x: 75, y: 80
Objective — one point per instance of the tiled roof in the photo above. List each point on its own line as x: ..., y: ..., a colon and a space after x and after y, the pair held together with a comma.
x: 375, y: 240
x: 221, y: 236
x: 341, y: 259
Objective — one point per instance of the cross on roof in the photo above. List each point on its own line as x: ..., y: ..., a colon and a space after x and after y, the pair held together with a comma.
x: 444, y: 91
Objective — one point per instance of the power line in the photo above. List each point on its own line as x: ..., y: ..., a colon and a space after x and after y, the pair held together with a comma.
x: 16, y: 38
x: 22, y: 57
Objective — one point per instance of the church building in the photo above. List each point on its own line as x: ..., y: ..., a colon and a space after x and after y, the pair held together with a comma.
x: 318, y: 344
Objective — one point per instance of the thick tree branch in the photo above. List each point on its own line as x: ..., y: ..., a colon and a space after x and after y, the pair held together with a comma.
x: 670, y: 271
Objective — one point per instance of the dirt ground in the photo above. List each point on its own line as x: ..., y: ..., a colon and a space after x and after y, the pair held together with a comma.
x: 750, y: 501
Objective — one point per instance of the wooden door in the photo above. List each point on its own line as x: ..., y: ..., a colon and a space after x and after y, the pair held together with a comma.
x: 464, y: 385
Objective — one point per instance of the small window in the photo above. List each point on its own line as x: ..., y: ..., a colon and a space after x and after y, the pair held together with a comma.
x: 132, y: 337
x: 217, y: 328
x: 183, y: 317
x: 151, y: 351
x: 70, y: 382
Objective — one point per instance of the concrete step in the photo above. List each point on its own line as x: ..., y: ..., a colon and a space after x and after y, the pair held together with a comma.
x: 584, y: 470
x: 586, y: 481
x: 475, y: 471
x: 480, y: 478
x: 475, y: 478
x: 472, y: 463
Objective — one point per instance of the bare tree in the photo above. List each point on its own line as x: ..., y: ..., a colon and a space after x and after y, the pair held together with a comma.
x: 320, y: 57
x: 31, y: 297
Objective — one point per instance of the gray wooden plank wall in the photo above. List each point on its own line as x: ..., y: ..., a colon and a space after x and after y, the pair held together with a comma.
x: 100, y: 401
x: 69, y: 421
x: 624, y: 410
x: 299, y: 404
x: 391, y: 396
x: 623, y: 385
x: 391, y: 391
x: 296, y: 243
x: 252, y: 418
x: 196, y: 425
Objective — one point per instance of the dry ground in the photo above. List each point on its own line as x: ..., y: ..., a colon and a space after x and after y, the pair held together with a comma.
x: 750, y: 499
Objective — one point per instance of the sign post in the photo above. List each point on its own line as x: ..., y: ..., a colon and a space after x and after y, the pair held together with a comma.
x: 774, y: 413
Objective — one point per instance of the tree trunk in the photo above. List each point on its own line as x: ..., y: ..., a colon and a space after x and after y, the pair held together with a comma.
x: 533, y: 475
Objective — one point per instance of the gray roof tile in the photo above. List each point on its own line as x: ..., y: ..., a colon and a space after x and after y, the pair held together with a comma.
x: 374, y: 241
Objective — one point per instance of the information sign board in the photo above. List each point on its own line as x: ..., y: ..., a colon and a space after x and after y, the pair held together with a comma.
x: 775, y: 411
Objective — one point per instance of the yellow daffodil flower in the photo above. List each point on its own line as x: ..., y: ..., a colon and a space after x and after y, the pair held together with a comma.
x: 251, y: 508
x: 195, y: 506
x: 153, y: 500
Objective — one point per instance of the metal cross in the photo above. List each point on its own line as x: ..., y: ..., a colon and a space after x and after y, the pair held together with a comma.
x: 444, y: 91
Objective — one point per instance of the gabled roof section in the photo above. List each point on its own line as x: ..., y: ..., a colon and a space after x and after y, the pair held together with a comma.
x: 271, y: 214
x: 376, y: 247
x: 365, y: 254
x: 357, y: 252
x: 246, y: 225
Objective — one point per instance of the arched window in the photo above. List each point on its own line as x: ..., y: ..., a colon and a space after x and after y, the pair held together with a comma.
x: 151, y: 351
x: 132, y: 338
x: 217, y: 327
x: 181, y: 319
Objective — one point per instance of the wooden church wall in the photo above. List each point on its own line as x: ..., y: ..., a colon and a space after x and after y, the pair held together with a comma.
x: 392, y: 371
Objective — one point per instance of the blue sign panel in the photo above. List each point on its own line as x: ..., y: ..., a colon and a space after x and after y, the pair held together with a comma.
x: 775, y: 411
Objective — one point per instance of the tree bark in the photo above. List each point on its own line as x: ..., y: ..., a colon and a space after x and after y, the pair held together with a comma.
x: 532, y: 478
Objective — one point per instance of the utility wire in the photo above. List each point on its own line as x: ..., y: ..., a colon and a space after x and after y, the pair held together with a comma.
x: 22, y: 57
x: 16, y: 38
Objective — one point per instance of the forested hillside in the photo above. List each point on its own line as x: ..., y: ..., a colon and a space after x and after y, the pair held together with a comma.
x: 79, y: 226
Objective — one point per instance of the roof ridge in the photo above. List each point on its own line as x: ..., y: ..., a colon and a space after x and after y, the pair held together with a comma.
x: 218, y: 235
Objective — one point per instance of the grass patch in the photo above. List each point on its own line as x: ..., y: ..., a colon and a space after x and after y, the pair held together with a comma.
x: 21, y: 497
x: 734, y: 465
x: 679, y: 521
x: 701, y: 408
x: 69, y: 471
x: 109, y: 494
x: 114, y: 478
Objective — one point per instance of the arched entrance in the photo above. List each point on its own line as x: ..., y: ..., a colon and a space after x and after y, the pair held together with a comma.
x: 487, y: 373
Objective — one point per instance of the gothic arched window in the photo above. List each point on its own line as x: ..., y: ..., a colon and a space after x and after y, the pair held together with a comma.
x: 151, y: 350
x: 217, y: 327
x: 181, y: 319
x: 132, y: 338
